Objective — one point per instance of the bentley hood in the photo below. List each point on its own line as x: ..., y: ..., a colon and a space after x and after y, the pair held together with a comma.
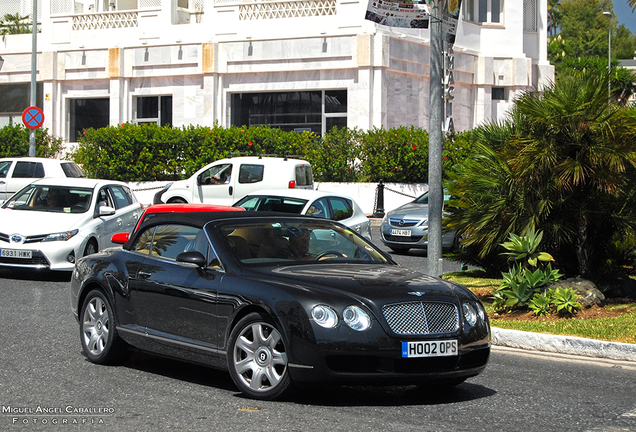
x: 374, y: 283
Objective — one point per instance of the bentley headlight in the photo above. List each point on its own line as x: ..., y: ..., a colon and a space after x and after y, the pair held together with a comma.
x: 481, y: 311
x: 324, y: 316
x: 469, y: 314
x: 63, y: 236
x: 356, y: 318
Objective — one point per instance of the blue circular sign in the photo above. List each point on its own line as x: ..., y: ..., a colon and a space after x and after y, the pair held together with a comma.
x: 33, y: 117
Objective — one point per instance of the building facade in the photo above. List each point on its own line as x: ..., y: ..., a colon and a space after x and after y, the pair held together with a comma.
x: 294, y: 64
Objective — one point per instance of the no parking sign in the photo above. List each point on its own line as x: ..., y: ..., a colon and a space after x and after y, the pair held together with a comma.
x: 33, y: 117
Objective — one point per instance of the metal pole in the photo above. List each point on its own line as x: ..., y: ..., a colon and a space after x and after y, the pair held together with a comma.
x: 435, y: 148
x: 34, y: 59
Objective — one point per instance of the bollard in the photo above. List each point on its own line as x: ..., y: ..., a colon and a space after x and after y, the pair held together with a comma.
x: 378, y: 211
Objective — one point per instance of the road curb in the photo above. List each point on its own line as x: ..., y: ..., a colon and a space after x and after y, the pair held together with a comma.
x: 563, y: 344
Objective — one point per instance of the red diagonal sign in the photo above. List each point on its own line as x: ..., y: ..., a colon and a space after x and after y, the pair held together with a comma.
x: 33, y: 117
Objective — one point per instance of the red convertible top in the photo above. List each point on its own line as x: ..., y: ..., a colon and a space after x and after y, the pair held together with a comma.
x: 189, y: 208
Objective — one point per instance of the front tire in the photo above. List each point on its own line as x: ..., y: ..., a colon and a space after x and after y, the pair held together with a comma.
x: 257, y: 358
x: 100, y: 340
x: 397, y: 249
x: 91, y: 248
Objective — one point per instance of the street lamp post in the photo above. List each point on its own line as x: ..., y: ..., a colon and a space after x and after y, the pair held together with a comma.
x: 609, y: 55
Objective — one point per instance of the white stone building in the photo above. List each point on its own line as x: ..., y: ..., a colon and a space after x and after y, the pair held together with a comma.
x: 295, y: 64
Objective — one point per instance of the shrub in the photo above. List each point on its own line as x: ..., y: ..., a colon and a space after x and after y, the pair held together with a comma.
x: 522, y: 283
x: 561, y: 301
x: 14, y: 141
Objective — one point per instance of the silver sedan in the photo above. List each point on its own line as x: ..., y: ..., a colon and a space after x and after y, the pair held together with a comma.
x: 406, y: 227
x: 315, y: 203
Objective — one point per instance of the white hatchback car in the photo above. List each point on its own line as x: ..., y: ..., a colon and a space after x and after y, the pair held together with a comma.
x: 17, y: 172
x: 310, y: 202
x: 52, y: 222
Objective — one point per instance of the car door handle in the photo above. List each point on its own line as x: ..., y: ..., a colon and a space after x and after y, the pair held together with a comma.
x: 3, y: 182
x: 143, y: 275
x: 119, y: 221
x: 231, y: 189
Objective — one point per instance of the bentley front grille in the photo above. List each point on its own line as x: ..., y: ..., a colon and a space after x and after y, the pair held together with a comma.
x: 422, y: 318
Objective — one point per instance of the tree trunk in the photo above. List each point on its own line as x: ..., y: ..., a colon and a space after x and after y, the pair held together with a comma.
x: 582, y: 248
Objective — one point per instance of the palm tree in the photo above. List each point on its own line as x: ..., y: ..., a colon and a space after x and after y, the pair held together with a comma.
x: 15, y: 24
x: 574, y: 149
x: 564, y: 163
x: 632, y: 3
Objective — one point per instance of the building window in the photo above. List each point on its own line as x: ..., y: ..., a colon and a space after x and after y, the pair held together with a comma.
x: 14, y: 99
x: 469, y: 10
x: 482, y: 11
x: 498, y: 93
x: 154, y: 109
x: 530, y: 15
x: 85, y: 114
x: 313, y: 111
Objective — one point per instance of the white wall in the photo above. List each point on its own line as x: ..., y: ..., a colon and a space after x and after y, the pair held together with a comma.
x: 395, y: 194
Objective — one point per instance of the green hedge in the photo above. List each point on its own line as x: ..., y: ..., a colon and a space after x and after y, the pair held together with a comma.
x: 148, y: 152
x: 14, y: 141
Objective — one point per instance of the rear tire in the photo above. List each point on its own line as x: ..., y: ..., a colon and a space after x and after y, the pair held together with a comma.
x: 257, y: 358
x: 177, y: 200
x: 98, y: 335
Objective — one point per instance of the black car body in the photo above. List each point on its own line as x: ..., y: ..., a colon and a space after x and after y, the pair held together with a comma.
x: 228, y: 296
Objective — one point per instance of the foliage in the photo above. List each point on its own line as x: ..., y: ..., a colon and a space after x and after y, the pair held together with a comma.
x: 622, y: 80
x: 565, y: 163
x: 541, y: 304
x: 14, y: 141
x: 525, y: 248
x: 15, y: 24
x: 525, y: 278
x: 486, y: 205
x: 564, y: 301
x: 561, y: 301
x: 395, y: 155
x: 337, y: 157
x: 583, y: 32
x: 520, y: 285
x: 148, y: 152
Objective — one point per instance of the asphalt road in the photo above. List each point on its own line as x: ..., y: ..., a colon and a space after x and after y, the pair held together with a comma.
x: 47, y: 384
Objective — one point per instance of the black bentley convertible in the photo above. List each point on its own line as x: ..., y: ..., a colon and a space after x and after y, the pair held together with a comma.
x: 277, y: 300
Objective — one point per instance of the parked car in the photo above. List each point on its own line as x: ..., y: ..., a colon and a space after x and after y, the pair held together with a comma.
x: 52, y: 222
x: 406, y: 227
x: 315, y: 203
x: 227, y: 180
x: 17, y: 172
x: 276, y: 300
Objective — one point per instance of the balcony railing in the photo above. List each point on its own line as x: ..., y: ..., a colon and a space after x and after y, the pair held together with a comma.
x: 106, y: 20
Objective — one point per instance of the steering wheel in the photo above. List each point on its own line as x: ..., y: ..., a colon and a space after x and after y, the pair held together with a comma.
x: 327, y: 253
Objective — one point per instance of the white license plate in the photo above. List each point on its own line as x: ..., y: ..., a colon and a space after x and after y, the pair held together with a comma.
x: 16, y: 253
x: 429, y: 349
x: 402, y: 233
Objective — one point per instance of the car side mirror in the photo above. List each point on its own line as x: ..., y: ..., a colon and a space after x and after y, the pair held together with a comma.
x: 120, y: 238
x: 106, y: 211
x: 192, y: 257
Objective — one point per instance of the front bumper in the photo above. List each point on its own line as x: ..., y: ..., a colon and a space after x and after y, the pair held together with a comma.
x: 373, y: 357
x: 417, y: 239
x: 44, y: 256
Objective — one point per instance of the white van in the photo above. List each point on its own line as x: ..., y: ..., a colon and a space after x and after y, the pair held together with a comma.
x: 227, y: 180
